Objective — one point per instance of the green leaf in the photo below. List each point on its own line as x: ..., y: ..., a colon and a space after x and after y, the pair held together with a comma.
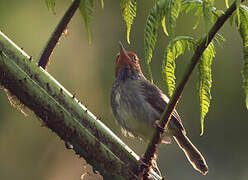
x: 238, y: 4
x: 243, y: 29
x: 51, y: 5
x: 154, y: 19
x: 102, y: 4
x: 227, y: 3
x: 219, y: 39
x: 202, y: 8
x: 164, y: 26
x: 175, y: 48
x: 86, y: 8
x: 207, y: 14
x: 162, y: 10
x: 205, y: 81
x: 128, y: 8
x: 173, y: 9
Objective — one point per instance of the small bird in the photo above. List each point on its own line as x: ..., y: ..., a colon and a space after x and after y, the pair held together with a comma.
x: 137, y: 104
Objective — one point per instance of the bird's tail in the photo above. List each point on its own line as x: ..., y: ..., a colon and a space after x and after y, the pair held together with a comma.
x: 192, y: 153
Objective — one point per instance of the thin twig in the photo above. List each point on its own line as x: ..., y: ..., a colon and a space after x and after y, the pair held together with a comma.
x: 166, y: 115
x: 44, y: 58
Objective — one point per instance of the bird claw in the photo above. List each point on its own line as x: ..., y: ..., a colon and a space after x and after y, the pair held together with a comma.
x: 156, y: 124
x: 153, y: 166
x: 142, y: 163
x: 142, y: 167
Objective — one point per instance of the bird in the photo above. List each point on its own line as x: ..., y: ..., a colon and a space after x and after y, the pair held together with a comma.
x: 137, y: 104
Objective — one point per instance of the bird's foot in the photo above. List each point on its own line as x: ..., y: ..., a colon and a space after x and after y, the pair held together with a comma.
x: 156, y: 124
x: 142, y: 167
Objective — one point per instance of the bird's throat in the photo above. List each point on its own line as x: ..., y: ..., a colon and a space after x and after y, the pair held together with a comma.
x: 126, y: 73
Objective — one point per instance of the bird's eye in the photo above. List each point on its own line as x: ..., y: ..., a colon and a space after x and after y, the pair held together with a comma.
x: 134, y: 58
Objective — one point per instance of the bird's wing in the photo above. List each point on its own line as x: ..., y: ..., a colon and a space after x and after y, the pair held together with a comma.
x: 158, y: 101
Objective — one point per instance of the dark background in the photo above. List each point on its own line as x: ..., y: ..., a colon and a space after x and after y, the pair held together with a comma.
x: 29, y: 151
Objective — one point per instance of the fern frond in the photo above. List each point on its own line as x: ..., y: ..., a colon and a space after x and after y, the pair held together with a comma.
x: 51, y: 5
x: 190, y: 5
x: 219, y: 39
x: 154, y: 19
x: 128, y: 8
x: 164, y: 11
x: 207, y: 13
x: 205, y: 82
x: 174, y: 11
x: 86, y: 8
x: 238, y: 3
x: 102, y: 4
x: 227, y: 3
x: 202, y: 8
x: 243, y: 29
x: 164, y: 26
x: 175, y: 48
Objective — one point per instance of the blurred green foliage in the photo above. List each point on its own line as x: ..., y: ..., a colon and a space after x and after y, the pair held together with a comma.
x: 29, y: 151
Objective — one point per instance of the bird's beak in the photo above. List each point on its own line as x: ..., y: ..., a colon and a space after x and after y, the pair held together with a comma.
x: 123, y: 52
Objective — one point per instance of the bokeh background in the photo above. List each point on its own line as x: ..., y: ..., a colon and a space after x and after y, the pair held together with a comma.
x: 29, y: 151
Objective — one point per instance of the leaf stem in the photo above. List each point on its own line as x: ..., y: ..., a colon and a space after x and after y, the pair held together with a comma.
x: 47, y: 51
x: 166, y: 115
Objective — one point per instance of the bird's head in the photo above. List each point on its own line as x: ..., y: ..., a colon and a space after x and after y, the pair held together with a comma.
x: 127, y: 61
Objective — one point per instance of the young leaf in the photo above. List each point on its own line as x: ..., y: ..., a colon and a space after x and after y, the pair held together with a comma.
x: 174, y: 11
x: 205, y: 81
x: 128, y: 8
x: 154, y: 19
x: 207, y: 14
x: 164, y: 26
x: 102, y: 4
x: 227, y: 3
x: 243, y: 29
x: 238, y: 3
x: 51, y: 5
x: 175, y: 48
x: 86, y: 8
x: 162, y: 10
x: 203, y: 8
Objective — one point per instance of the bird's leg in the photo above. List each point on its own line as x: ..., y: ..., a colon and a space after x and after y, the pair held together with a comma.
x: 155, y: 166
x: 142, y: 163
x: 156, y: 124
x: 142, y: 166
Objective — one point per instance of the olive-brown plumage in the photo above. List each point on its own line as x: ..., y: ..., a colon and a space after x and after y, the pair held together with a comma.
x: 137, y: 104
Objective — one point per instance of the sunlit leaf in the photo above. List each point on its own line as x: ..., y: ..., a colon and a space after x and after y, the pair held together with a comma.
x: 175, y: 48
x: 51, y: 5
x: 238, y: 3
x: 102, y: 4
x: 153, y: 21
x: 174, y: 10
x: 202, y: 8
x: 227, y: 3
x: 128, y: 8
x: 164, y: 12
x: 86, y: 8
x: 207, y: 14
x: 205, y: 81
x: 243, y: 29
x: 164, y: 27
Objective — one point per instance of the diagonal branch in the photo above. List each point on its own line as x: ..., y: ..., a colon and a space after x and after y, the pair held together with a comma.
x: 166, y: 115
x: 60, y: 111
x: 47, y: 51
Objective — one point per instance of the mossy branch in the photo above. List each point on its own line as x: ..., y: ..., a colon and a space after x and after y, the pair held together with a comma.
x: 166, y: 115
x: 65, y: 115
